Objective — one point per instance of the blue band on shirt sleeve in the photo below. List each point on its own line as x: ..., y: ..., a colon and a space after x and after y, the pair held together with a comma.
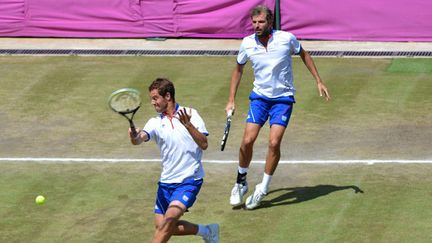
x: 148, y: 136
x: 300, y: 50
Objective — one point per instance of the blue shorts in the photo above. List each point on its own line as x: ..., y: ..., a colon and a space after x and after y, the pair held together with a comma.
x: 185, y: 192
x: 277, y: 110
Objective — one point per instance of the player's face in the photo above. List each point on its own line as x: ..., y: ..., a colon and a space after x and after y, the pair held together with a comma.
x: 260, y: 24
x: 160, y: 103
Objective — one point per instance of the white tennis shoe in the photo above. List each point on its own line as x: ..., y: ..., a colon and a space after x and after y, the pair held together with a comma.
x: 255, y: 199
x: 237, y: 193
x: 213, y: 236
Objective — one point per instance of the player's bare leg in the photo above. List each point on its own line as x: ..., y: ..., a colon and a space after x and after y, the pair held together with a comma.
x: 246, y: 148
x: 245, y: 157
x: 272, y: 160
x: 167, y: 225
x: 273, y: 152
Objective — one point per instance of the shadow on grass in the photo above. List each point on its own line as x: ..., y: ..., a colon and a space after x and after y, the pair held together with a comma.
x: 301, y: 194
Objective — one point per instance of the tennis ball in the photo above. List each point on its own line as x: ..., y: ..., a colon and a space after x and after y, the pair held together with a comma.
x: 40, y: 200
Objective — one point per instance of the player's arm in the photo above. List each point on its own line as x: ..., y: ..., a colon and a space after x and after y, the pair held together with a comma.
x: 199, y: 138
x: 310, y: 64
x: 236, y: 76
x: 139, y: 138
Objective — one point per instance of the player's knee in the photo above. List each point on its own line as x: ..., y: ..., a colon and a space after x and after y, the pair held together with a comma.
x: 166, y: 226
x: 159, y: 225
x: 274, y: 144
x: 248, y: 142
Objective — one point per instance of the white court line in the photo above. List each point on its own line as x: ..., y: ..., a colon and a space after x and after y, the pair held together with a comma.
x: 114, y: 160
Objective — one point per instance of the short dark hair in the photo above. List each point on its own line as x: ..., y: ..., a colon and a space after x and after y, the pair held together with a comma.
x: 262, y: 9
x: 164, y: 86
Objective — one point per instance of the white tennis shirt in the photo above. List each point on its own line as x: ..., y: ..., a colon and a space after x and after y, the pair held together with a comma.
x: 180, y: 155
x: 272, y: 65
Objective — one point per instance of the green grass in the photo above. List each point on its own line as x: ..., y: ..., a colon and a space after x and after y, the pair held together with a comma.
x: 307, y: 203
x: 410, y: 66
x: 56, y: 107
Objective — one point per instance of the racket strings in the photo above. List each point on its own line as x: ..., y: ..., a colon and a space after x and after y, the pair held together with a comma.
x: 125, y: 102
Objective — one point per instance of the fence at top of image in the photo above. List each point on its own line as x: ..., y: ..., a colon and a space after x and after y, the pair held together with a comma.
x: 371, y: 20
x: 96, y: 52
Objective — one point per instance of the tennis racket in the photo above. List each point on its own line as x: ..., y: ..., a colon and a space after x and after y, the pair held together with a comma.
x: 227, y: 129
x: 126, y: 102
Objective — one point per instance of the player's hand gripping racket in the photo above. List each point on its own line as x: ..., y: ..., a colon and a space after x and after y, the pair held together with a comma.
x: 227, y: 129
x: 126, y: 102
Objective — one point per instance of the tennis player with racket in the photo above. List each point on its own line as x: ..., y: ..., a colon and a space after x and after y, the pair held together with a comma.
x: 181, y: 135
x: 272, y: 97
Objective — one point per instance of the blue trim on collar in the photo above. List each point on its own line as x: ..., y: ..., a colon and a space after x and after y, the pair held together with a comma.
x: 177, y: 106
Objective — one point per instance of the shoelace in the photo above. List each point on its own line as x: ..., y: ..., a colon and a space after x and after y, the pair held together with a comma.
x: 258, y: 196
x: 236, y: 190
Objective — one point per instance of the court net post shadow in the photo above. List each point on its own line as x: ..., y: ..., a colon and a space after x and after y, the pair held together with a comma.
x: 301, y: 194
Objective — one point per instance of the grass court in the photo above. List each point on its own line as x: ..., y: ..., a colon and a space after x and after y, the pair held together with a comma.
x: 55, y: 107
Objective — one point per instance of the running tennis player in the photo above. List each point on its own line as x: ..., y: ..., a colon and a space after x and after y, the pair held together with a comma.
x: 181, y: 135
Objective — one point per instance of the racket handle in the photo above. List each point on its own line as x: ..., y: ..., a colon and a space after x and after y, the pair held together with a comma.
x: 133, y: 129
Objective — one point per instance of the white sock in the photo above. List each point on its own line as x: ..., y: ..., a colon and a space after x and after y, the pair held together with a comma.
x: 202, y: 230
x: 242, y: 170
x: 266, y: 183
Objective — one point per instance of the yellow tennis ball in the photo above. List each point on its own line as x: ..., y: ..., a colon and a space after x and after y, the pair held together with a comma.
x: 40, y: 200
